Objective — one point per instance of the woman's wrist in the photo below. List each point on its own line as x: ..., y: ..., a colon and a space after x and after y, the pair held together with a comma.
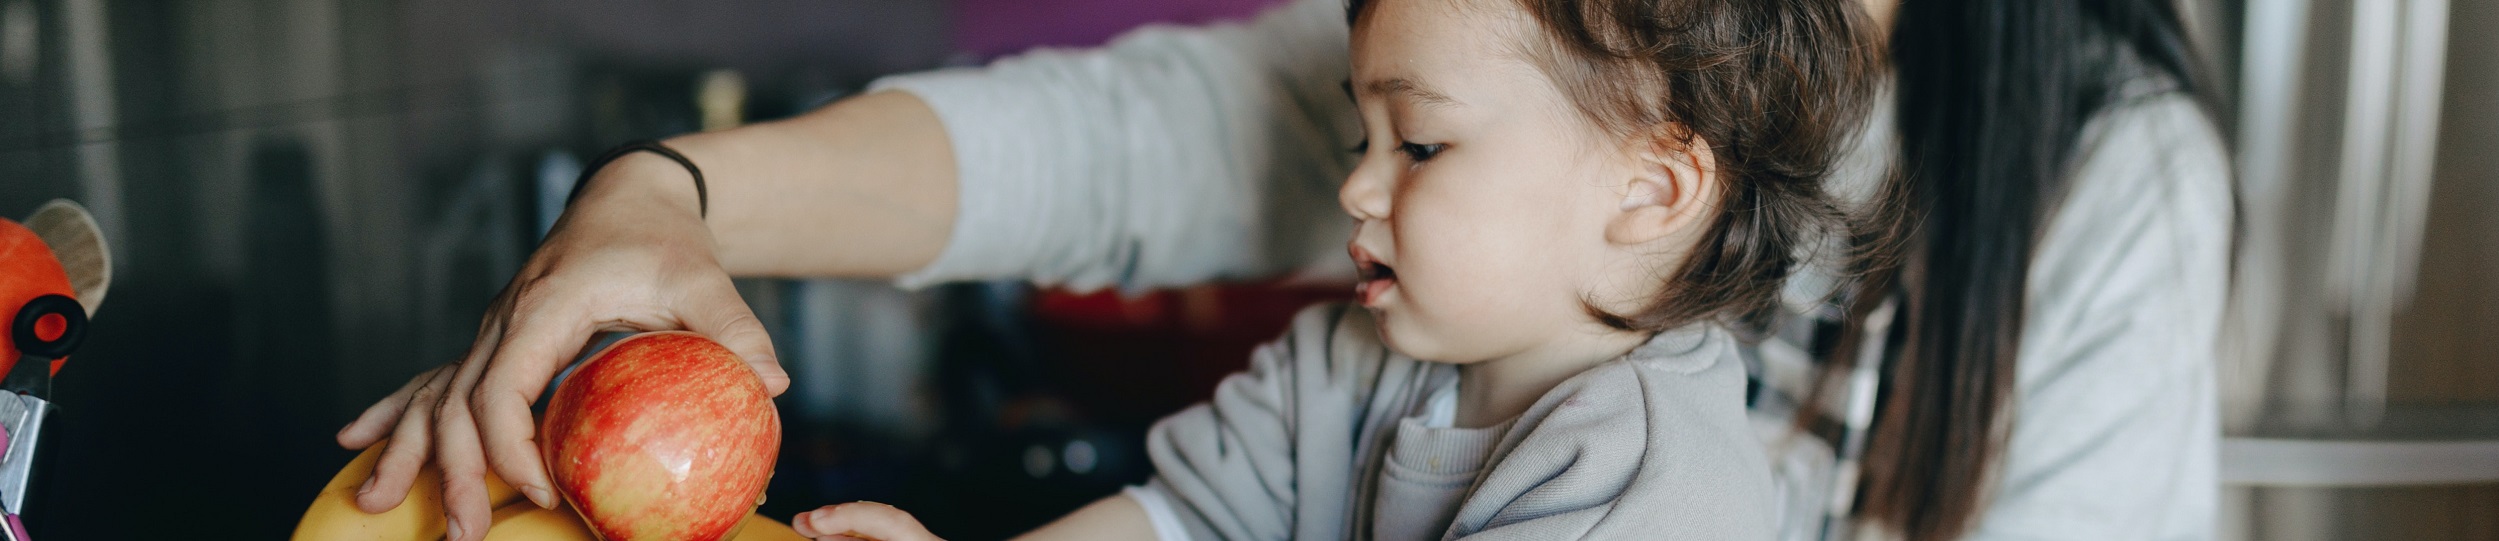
x: 643, y: 178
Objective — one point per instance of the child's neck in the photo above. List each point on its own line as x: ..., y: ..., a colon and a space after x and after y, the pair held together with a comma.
x: 1495, y: 390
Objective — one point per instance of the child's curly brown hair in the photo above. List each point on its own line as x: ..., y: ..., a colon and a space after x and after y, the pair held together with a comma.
x: 1776, y: 88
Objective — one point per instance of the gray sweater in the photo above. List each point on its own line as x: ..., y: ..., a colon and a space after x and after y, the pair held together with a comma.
x: 1330, y: 435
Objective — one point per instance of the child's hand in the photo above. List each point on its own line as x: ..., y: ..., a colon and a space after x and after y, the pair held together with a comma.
x: 860, y: 521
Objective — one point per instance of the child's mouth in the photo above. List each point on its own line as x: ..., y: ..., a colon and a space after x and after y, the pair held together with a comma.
x: 1375, y: 278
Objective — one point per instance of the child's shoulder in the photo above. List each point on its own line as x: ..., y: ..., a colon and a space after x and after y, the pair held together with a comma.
x: 1660, y: 430
x: 1331, y: 325
x: 1679, y: 382
x: 1322, y: 319
x: 1332, y: 337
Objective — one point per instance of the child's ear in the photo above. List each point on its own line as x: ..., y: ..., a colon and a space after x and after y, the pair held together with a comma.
x: 1670, y: 194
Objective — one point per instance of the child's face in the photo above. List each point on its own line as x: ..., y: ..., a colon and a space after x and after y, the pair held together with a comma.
x: 1488, y: 210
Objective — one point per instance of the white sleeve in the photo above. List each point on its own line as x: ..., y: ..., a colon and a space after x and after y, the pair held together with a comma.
x: 2116, y: 427
x: 1158, y: 512
x: 1171, y: 156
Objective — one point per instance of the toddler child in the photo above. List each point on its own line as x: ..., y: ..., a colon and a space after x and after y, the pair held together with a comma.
x: 1566, y: 211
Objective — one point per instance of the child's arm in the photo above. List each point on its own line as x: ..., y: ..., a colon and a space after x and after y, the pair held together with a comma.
x: 1114, y: 518
x: 860, y: 520
x: 1234, y: 466
x: 1111, y: 519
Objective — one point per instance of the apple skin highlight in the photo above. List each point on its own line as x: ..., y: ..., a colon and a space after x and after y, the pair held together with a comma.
x: 662, y: 436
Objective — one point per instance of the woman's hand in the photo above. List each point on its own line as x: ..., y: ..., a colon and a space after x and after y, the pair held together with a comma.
x: 632, y: 254
x: 860, y: 521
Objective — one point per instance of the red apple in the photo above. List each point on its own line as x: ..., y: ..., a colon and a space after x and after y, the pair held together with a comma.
x: 664, y: 436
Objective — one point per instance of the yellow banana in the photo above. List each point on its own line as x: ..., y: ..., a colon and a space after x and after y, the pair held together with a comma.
x: 758, y: 528
x: 526, y: 522
x: 334, y: 516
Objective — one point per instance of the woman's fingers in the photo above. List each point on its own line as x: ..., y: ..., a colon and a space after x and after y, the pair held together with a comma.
x: 453, y: 434
x: 463, y: 463
x: 411, y: 444
x: 378, y: 420
x: 715, y: 310
x: 862, y: 520
x: 535, y: 347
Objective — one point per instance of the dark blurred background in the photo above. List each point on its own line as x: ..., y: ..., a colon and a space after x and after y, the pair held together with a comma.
x: 312, y: 200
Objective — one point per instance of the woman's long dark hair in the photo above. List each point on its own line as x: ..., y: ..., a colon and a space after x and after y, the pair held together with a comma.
x: 1993, y: 97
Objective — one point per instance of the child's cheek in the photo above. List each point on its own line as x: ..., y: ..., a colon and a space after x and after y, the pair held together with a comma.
x: 1461, y: 282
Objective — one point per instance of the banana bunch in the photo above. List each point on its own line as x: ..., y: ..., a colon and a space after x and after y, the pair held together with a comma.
x: 334, y: 516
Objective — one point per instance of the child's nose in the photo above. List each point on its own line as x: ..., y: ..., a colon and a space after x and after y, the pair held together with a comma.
x: 1365, y: 193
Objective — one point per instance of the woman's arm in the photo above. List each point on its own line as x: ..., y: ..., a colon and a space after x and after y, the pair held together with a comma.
x: 864, y: 187
x: 1172, y: 156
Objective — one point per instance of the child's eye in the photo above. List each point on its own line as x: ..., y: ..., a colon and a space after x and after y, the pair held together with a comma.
x: 1361, y: 148
x: 1420, y: 153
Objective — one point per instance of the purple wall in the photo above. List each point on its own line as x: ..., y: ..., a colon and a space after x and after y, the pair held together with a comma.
x: 991, y: 28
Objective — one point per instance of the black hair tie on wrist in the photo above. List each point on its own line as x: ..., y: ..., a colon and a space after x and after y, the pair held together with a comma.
x: 702, y: 195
